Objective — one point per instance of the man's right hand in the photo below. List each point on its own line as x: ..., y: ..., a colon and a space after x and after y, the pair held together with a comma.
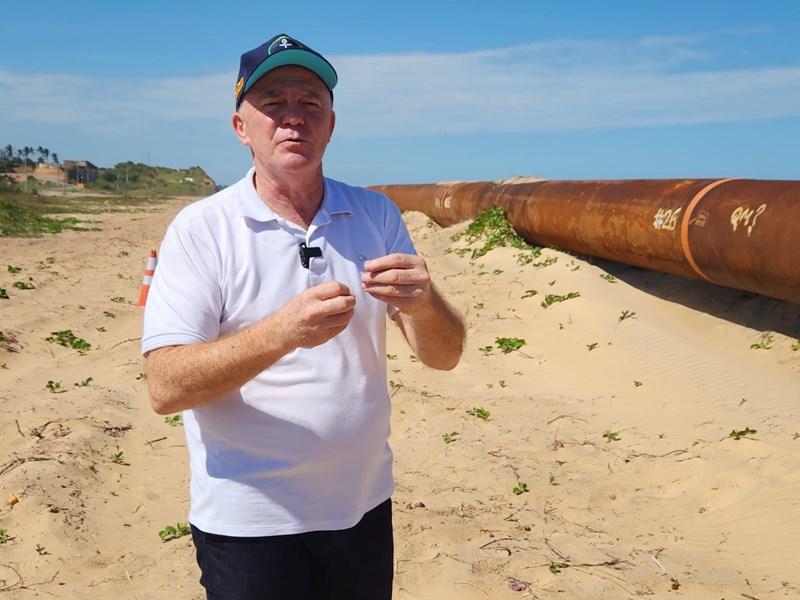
x: 318, y: 314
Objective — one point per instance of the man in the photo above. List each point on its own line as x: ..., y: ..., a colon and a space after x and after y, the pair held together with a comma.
x: 266, y: 324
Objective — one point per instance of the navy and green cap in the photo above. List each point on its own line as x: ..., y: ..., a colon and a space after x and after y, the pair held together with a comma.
x: 277, y: 52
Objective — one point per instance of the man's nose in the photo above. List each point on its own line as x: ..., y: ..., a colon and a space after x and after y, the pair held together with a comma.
x: 293, y: 115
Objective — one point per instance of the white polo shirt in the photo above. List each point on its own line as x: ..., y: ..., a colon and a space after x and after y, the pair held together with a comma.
x: 302, y: 446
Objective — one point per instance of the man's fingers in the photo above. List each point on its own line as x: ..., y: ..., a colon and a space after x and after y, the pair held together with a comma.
x: 329, y: 289
x: 337, y: 321
x: 383, y: 292
x: 338, y: 305
x: 396, y: 277
x: 393, y: 261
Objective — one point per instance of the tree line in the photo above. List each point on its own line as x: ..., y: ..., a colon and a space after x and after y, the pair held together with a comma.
x: 12, y: 158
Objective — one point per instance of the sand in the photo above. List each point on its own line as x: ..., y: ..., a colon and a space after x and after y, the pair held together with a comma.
x: 615, y: 432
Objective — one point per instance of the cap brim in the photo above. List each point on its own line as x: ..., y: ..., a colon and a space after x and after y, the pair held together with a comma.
x: 300, y: 58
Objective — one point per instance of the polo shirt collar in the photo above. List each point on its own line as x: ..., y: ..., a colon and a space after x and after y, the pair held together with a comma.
x: 251, y: 205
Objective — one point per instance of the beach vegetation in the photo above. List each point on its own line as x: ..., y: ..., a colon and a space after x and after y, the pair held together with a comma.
x: 764, y: 344
x: 25, y: 215
x: 4, y: 537
x: 529, y: 294
x: 555, y: 567
x: 24, y: 285
x: 119, y: 458
x: 174, y: 420
x: 507, y: 345
x: 529, y: 258
x: 611, y: 436
x: 492, y: 229
x: 85, y: 383
x: 796, y: 346
x: 608, y: 277
x: 171, y: 532
x: 14, y: 270
x: 54, y: 387
x: 119, y: 299
x: 591, y: 346
x: 738, y: 434
x: 551, y: 299
x: 41, y: 550
x: 69, y: 340
x: 626, y: 314
x: 450, y: 437
x: 520, y: 488
x: 479, y: 413
x: 3, y: 294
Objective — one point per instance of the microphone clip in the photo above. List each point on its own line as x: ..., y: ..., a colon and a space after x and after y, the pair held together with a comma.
x: 307, y: 252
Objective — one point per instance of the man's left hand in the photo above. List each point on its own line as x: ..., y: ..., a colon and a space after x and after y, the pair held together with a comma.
x: 401, y: 280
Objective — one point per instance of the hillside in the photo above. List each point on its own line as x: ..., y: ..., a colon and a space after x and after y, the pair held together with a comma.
x: 129, y: 177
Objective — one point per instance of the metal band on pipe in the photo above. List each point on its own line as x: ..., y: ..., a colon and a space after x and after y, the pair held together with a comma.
x: 687, y: 215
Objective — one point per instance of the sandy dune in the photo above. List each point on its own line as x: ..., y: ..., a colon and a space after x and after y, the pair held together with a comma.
x: 619, y: 429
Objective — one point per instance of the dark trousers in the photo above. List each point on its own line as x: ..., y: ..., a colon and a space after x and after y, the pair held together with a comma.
x: 349, y: 564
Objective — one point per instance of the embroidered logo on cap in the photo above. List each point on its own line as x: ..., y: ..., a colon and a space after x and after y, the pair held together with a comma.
x: 283, y: 42
x: 239, y: 86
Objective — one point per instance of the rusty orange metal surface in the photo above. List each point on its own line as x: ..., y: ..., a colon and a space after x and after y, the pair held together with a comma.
x: 739, y: 233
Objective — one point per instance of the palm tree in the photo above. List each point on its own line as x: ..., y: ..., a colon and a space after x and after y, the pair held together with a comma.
x: 26, y: 152
x: 9, y: 151
x: 46, y: 153
x: 55, y: 158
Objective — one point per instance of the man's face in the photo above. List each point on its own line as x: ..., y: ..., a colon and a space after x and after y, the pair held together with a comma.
x: 287, y: 120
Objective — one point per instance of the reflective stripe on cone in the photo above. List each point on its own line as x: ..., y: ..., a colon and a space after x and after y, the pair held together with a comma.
x: 148, y: 278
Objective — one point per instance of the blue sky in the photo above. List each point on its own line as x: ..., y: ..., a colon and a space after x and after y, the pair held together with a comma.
x: 428, y: 91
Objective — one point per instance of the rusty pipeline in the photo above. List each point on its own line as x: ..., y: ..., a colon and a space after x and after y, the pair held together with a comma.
x: 739, y: 233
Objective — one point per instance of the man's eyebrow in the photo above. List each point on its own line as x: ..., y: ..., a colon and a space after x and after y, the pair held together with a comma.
x: 279, y: 89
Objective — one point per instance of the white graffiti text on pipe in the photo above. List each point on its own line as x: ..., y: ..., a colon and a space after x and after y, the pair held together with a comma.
x: 746, y: 217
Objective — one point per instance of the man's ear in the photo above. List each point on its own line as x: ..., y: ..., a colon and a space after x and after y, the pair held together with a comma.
x: 332, y: 126
x: 239, y: 128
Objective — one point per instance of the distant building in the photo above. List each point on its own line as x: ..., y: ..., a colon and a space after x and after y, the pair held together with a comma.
x: 80, y: 171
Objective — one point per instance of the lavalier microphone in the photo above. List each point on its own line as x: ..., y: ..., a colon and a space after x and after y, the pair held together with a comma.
x: 307, y: 252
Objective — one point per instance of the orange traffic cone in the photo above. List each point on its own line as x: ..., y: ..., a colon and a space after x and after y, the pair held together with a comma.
x: 147, y: 279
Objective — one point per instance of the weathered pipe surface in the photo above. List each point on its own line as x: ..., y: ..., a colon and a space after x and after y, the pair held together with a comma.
x: 740, y: 233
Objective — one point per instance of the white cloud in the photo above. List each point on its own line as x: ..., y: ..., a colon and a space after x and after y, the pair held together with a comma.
x: 555, y: 86
x: 111, y: 104
x: 550, y: 86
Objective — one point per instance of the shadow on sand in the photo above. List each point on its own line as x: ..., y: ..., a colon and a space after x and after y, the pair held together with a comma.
x: 737, y: 306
